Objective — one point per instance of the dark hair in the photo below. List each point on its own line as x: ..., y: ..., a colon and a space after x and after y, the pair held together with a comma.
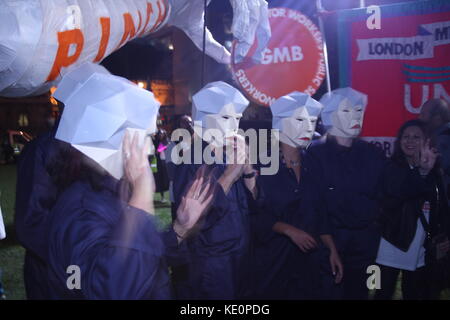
x: 67, y: 166
x: 162, y: 137
x: 438, y: 107
x: 185, y: 122
x: 398, y: 154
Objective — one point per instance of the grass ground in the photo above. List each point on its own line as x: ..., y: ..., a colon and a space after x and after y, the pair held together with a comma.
x: 12, y: 254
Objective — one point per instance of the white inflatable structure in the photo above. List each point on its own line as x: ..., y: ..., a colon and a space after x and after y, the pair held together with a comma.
x: 41, y: 40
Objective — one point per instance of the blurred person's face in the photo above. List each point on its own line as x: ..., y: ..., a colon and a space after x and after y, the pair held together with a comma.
x: 299, y: 128
x: 348, y: 119
x: 425, y: 113
x: 411, y: 141
x: 186, y: 123
x: 433, y: 121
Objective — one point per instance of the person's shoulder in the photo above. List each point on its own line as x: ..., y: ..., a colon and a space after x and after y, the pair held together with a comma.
x: 370, y: 148
x: 317, y: 146
x: 444, y: 130
x: 73, y: 195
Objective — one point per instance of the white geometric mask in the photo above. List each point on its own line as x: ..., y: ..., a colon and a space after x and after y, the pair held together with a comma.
x: 295, y: 115
x: 216, y: 111
x: 99, y: 107
x: 343, y: 112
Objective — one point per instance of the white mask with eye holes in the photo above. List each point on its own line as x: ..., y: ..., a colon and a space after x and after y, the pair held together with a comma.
x: 224, y: 124
x: 295, y: 115
x: 99, y: 108
x: 347, y: 120
x: 343, y: 112
x: 217, y: 110
x: 298, y: 130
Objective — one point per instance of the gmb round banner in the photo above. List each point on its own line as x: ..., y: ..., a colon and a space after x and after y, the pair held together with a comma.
x: 292, y: 61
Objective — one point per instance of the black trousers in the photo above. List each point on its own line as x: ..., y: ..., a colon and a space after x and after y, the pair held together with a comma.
x: 415, y: 284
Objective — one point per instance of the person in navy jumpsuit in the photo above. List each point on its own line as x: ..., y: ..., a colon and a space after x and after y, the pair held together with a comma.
x: 35, y: 196
x: 347, y: 174
x: 100, y: 239
x: 218, y: 260
x: 286, y: 234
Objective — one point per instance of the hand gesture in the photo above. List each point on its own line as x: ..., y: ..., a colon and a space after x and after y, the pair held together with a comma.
x: 138, y: 173
x: 193, y: 205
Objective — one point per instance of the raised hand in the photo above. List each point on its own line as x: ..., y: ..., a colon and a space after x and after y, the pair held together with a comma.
x: 138, y: 172
x: 193, y: 205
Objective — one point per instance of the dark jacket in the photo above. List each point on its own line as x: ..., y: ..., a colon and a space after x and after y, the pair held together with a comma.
x: 347, y: 181
x: 117, y: 247
x: 402, y: 198
x: 35, y: 196
x: 218, y: 263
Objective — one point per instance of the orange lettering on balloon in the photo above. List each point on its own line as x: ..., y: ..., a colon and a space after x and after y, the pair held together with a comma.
x: 140, y: 23
x: 128, y: 31
x: 65, y: 40
x: 149, y: 13
x: 106, y: 29
x: 161, y: 16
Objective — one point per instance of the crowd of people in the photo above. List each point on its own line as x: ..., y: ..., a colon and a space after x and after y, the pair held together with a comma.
x: 335, y: 207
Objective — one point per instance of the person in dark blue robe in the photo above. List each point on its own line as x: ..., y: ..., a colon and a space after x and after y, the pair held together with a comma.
x: 116, y: 247
x: 35, y: 196
x: 218, y: 254
x: 347, y: 174
x: 281, y: 269
x: 286, y: 234
x: 101, y: 245
x: 100, y: 239
x: 347, y: 179
x: 218, y: 260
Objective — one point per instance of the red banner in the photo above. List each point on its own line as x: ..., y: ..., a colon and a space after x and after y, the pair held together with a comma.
x: 399, y: 66
x: 292, y: 61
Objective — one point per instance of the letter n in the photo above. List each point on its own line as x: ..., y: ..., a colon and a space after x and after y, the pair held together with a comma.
x: 128, y: 29
x: 65, y: 40
x: 149, y: 13
x: 161, y: 15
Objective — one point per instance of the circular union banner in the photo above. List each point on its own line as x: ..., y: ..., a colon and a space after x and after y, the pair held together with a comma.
x: 292, y: 61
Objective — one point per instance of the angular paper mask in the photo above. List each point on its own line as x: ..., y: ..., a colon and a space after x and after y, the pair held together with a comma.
x: 216, y: 111
x: 295, y: 115
x: 99, y: 107
x: 343, y: 112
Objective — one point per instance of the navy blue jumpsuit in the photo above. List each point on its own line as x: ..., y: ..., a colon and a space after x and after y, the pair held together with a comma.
x: 280, y: 269
x: 218, y: 254
x: 347, y: 181
x: 117, y: 247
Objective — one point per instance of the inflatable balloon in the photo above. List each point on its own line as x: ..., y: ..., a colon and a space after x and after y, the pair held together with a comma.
x: 41, y: 40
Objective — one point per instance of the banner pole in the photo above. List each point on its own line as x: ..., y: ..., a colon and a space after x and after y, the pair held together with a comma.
x: 320, y: 11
